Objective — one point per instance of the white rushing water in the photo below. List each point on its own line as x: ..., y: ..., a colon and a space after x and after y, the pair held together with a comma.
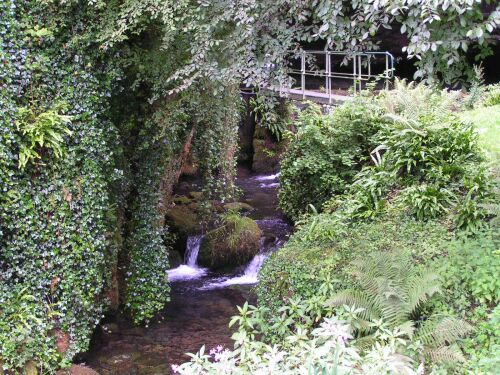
x: 269, y: 181
x: 189, y: 270
x: 267, y: 177
x: 250, y: 275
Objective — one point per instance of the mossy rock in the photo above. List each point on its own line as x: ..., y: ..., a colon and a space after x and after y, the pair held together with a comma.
x: 174, y: 258
x: 233, y: 244
x: 182, y: 200
x: 238, y: 206
x: 184, y: 220
x: 198, y: 195
x: 267, y: 155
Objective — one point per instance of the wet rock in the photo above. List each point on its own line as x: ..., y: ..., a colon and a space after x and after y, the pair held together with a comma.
x: 110, y: 328
x: 238, y: 206
x: 198, y: 195
x: 233, y: 244
x: 174, y: 258
x: 267, y: 155
x: 182, y: 200
x: 184, y: 219
x: 78, y: 370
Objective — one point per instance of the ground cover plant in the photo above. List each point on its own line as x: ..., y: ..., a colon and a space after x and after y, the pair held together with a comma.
x: 404, y: 254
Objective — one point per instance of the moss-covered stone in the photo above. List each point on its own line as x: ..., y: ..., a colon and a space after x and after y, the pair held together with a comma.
x: 182, y: 200
x: 233, y: 244
x: 198, y: 195
x: 238, y: 206
x: 183, y: 219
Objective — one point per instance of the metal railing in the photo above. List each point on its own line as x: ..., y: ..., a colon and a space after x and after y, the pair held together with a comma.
x: 357, y: 66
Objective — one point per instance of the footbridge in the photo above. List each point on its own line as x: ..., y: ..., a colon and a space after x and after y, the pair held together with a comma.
x: 332, y: 77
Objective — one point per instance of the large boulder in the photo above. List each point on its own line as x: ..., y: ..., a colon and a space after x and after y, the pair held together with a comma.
x: 232, y: 244
x: 184, y: 219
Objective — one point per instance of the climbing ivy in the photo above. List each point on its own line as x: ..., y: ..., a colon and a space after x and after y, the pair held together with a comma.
x: 57, y: 212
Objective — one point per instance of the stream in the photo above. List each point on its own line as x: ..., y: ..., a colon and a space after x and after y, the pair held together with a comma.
x: 202, y: 302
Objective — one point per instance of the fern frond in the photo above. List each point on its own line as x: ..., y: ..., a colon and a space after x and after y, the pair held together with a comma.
x: 439, y: 330
x: 445, y: 354
x: 408, y: 328
x: 357, y: 299
x: 419, y: 288
x: 365, y: 342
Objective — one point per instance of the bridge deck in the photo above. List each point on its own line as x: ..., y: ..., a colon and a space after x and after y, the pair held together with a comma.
x: 317, y: 96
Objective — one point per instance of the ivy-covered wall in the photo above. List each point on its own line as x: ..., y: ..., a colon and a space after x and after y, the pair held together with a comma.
x: 59, y: 230
x: 89, y: 151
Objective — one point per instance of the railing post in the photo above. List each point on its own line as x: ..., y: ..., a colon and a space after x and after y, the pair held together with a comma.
x: 359, y: 73
x: 328, y: 76
x: 386, y: 72
x: 303, y: 74
x: 369, y: 66
x: 354, y: 72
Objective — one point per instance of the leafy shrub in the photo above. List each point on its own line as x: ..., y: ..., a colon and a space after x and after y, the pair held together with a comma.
x: 390, y: 288
x: 415, y: 100
x: 326, y: 349
x: 272, y: 113
x: 326, y: 153
x: 469, y: 269
x: 324, y: 246
x: 492, y: 95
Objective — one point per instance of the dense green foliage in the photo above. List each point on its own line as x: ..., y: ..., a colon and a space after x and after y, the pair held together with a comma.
x: 101, y: 100
x: 427, y: 183
x: 468, y: 270
x: 413, y: 152
x: 71, y: 179
x: 399, y: 290
x: 237, y: 41
x: 325, y: 154
x: 58, y: 225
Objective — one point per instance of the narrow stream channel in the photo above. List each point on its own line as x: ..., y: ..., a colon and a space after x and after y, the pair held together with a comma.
x: 202, y: 302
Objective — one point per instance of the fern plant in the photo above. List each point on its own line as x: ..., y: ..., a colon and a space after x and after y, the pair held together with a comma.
x: 40, y: 131
x: 391, y: 291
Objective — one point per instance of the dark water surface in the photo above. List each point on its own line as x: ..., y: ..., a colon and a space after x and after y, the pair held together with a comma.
x: 200, y: 307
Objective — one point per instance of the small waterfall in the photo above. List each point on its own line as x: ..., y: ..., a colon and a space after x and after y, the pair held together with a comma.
x: 272, y: 177
x: 251, y: 272
x: 189, y: 270
x: 192, y: 250
x: 267, y: 177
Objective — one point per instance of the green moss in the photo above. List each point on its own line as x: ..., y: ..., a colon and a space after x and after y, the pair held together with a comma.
x: 234, y: 243
x: 198, y: 195
x: 182, y: 200
x: 184, y: 219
